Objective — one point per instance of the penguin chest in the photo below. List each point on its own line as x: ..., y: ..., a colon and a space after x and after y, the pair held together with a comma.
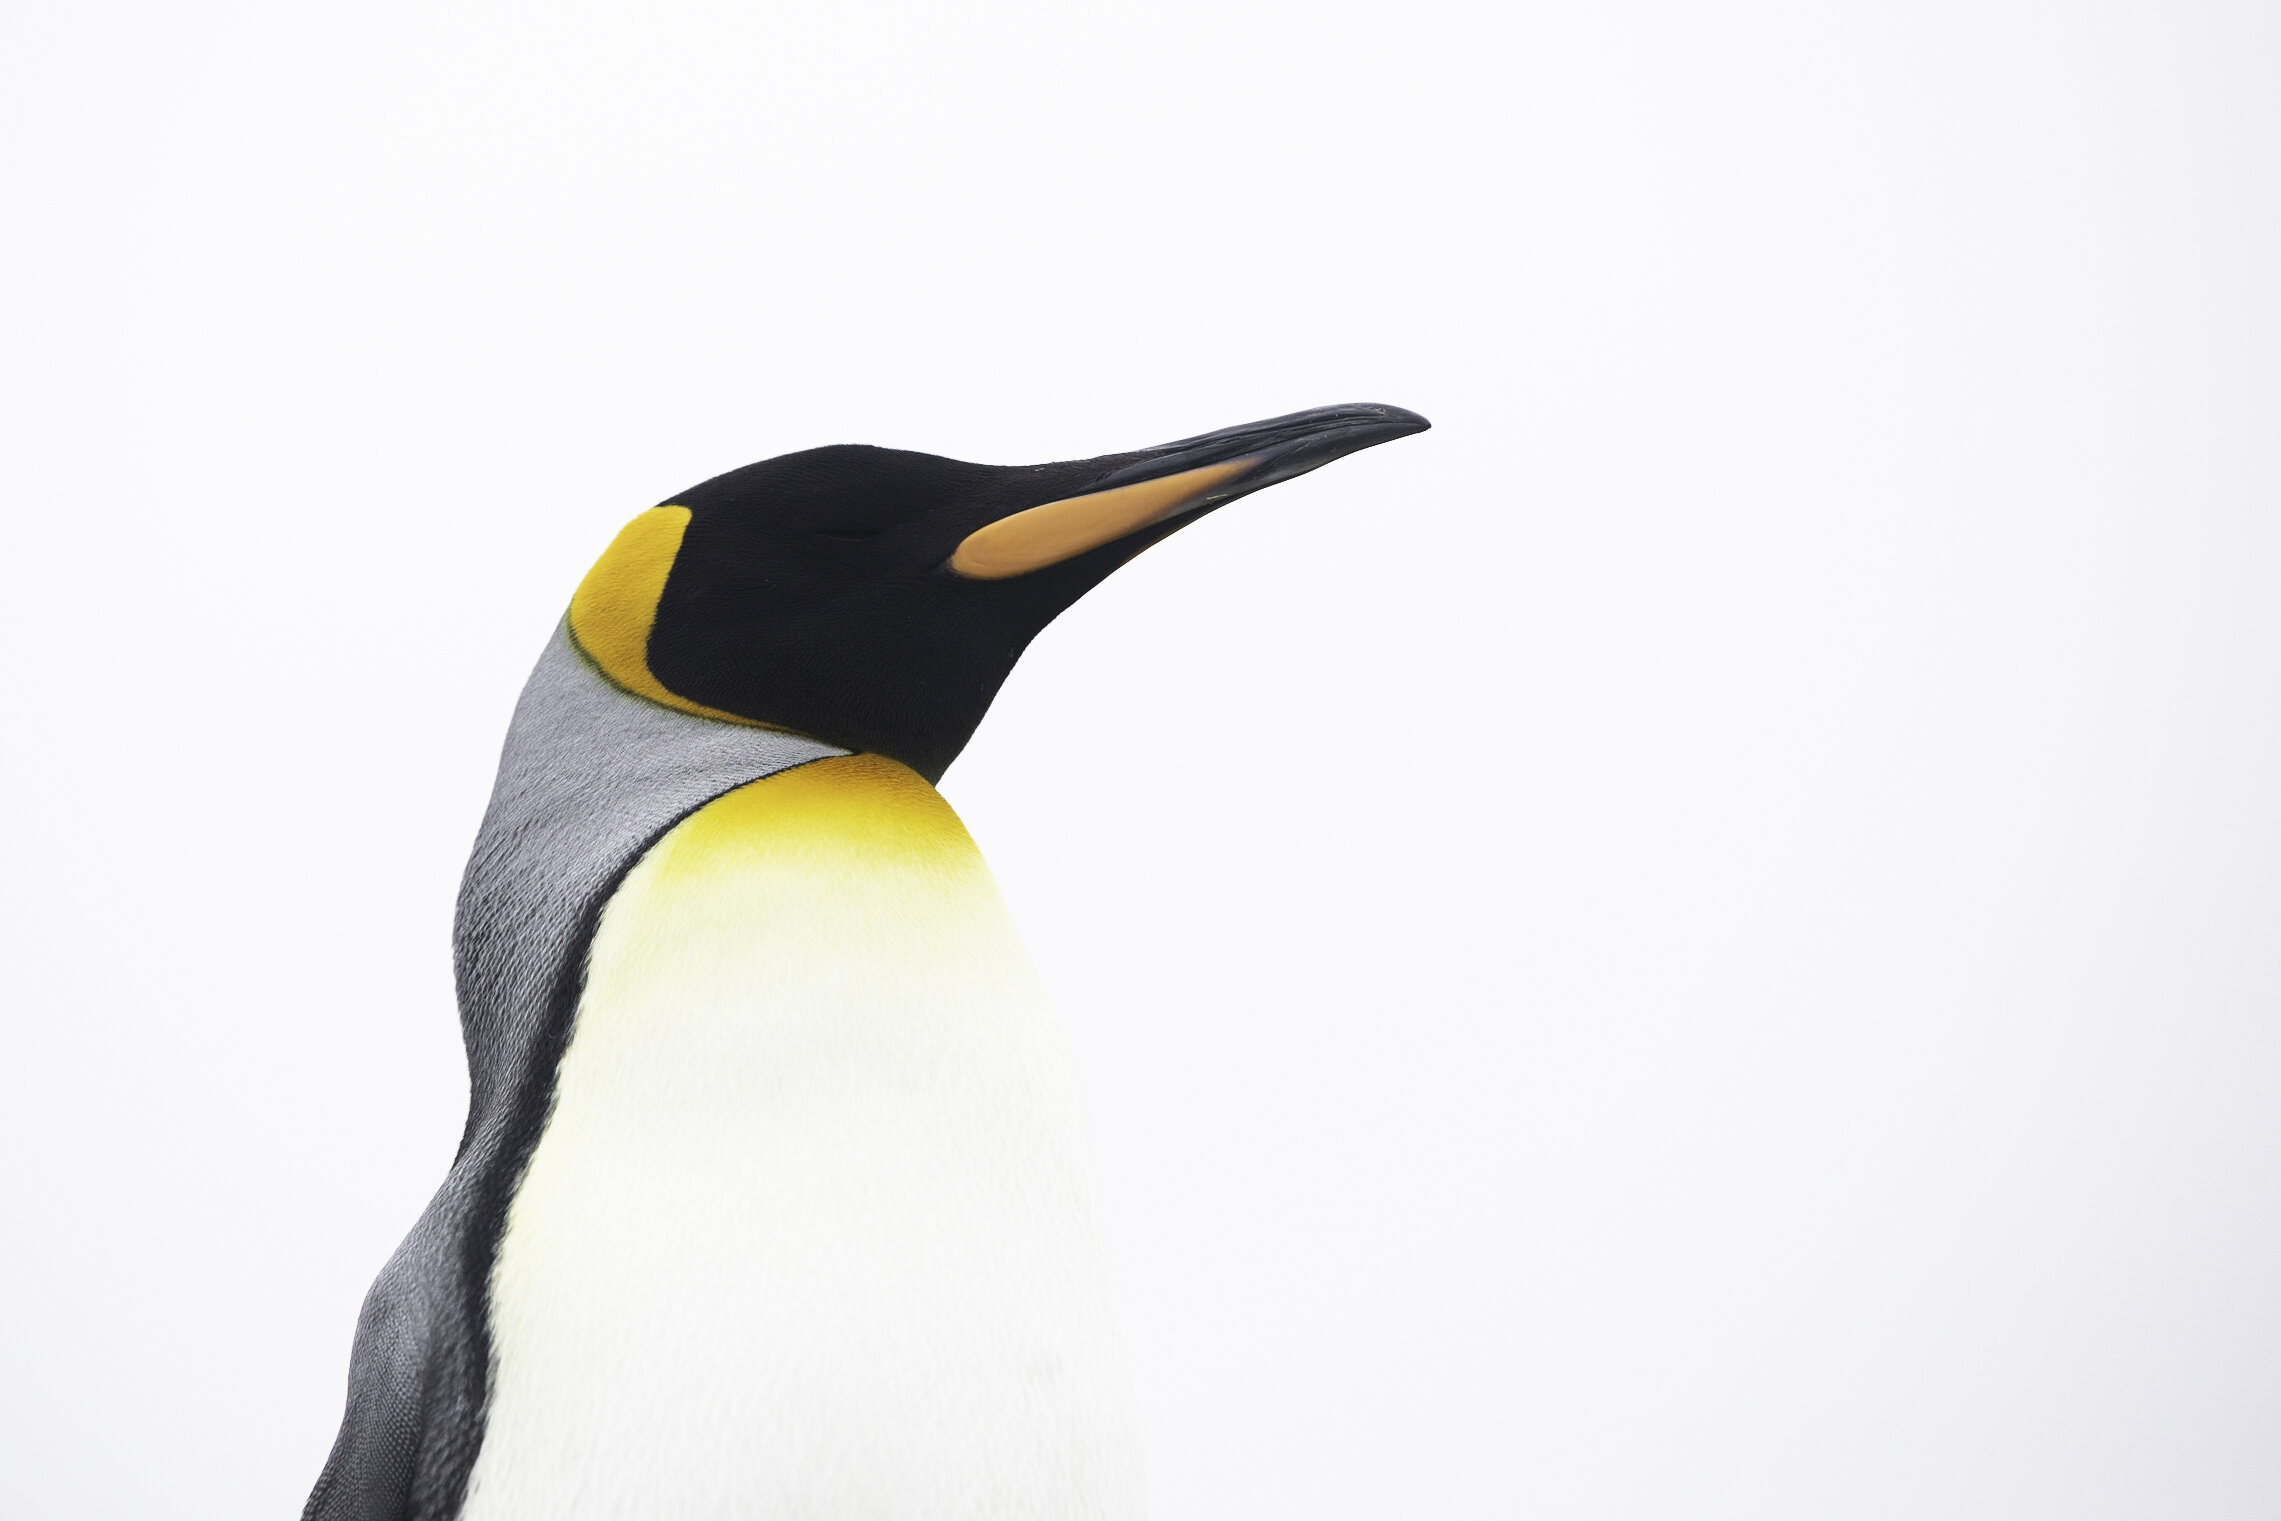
x: 806, y: 1234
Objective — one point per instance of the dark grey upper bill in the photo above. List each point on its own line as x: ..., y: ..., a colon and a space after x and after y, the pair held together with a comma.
x: 1286, y: 446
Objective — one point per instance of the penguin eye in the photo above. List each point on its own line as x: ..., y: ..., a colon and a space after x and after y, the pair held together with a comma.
x: 851, y: 518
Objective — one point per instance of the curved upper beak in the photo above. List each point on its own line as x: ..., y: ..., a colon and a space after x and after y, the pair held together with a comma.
x: 1176, y: 480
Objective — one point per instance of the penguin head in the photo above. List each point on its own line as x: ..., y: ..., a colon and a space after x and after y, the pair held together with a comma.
x: 876, y: 599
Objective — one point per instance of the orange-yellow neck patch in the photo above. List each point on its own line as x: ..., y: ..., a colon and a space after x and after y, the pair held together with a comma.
x: 615, y: 607
x: 854, y: 811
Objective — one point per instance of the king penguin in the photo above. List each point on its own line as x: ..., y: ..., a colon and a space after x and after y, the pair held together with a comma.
x: 771, y: 1201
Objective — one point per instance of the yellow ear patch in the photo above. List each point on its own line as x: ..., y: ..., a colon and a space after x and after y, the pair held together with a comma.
x: 1057, y: 531
x: 615, y: 607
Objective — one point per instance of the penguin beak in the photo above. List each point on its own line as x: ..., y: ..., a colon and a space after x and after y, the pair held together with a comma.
x: 1175, y: 481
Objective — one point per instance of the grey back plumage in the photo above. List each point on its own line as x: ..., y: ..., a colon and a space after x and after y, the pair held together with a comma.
x: 590, y: 777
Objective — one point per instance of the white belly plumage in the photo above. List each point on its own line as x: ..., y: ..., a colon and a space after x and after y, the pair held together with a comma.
x: 807, y: 1236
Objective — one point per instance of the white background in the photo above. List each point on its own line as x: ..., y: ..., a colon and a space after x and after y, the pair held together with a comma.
x: 1700, y: 941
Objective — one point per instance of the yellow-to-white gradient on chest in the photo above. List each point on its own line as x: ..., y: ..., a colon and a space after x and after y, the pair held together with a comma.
x: 807, y: 1235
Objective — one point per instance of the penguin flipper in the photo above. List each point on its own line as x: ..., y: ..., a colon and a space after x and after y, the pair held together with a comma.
x: 414, y: 1415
